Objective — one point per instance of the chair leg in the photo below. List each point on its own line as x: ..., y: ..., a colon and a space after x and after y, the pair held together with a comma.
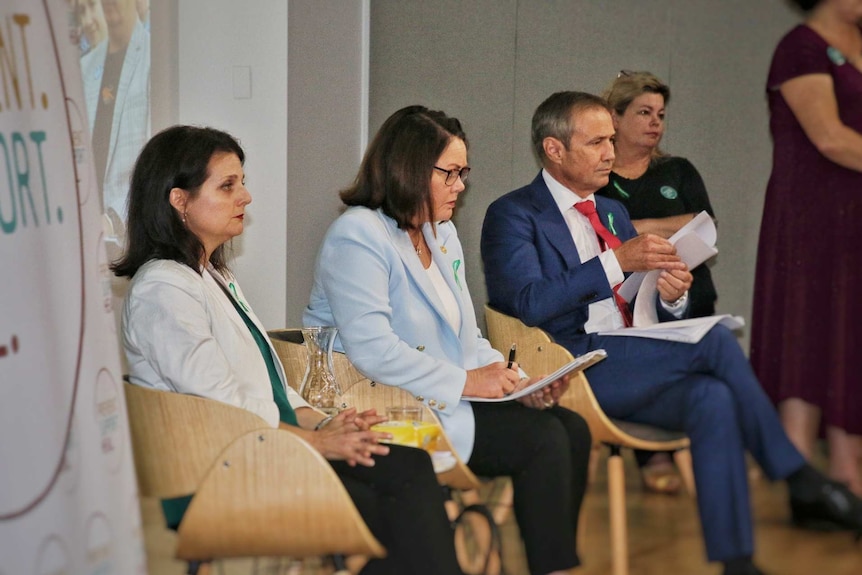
x: 682, y: 458
x: 476, y: 528
x: 502, y: 506
x: 617, y: 506
x: 593, y: 465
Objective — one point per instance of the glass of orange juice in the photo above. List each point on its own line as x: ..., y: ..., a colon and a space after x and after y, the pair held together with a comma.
x: 407, y: 428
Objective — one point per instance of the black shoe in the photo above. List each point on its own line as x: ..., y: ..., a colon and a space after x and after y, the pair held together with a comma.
x: 749, y: 569
x: 741, y: 568
x: 834, y: 508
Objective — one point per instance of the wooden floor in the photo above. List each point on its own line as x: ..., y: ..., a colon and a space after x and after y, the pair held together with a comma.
x: 664, y: 538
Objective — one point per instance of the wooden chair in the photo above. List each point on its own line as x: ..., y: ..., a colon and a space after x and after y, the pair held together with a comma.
x: 461, y: 483
x: 538, y: 354
x: 258, y: 491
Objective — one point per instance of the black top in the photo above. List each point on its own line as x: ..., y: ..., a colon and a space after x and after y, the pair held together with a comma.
x: 671, y: 186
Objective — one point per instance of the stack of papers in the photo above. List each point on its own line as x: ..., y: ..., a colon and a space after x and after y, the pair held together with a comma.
x: 695, y: 243
x: 683, y: 330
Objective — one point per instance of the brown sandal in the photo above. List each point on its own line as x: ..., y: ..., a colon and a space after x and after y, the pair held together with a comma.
x: 661, y: 477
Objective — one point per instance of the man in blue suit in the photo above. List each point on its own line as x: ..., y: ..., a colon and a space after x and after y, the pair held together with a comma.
x: 546, y: 264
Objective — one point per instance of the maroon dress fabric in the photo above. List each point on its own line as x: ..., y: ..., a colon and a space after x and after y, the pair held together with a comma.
x: 806, y: 337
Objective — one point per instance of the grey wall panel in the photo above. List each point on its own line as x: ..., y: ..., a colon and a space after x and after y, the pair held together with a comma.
x: 580, y: 46
x: 324, y: 131
x: 719, y: 120
x: 714, y: 55
x: 456, y: 57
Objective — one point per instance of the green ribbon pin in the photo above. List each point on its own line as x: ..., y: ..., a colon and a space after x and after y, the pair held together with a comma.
x: 619, y: 188
x: 236, y: 297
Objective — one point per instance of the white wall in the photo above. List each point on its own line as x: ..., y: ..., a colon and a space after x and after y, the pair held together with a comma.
x: 215, y: 37
x: 308, y: 73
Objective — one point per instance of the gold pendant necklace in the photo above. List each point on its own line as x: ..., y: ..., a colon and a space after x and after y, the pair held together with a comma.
x: 417, y: 246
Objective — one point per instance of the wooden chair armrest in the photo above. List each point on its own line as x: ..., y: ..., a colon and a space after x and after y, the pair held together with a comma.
x: 580, y: 399
x: 264, y: 485
x: 176, y: 437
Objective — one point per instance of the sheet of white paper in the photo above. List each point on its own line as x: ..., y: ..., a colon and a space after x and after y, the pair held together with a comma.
x: 701, y: 227
x: 693, y: 250
x: 629, y: 288
x: 644, y: 312
x: 683, y: 330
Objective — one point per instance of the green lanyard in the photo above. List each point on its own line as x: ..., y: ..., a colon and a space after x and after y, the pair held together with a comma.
x: 285, y: 411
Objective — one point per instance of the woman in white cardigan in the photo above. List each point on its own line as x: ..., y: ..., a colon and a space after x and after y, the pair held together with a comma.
x: 390, y: 275
x: 188, y: 328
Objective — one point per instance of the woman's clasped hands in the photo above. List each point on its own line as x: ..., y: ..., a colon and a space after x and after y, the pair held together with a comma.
x: 348, y: 437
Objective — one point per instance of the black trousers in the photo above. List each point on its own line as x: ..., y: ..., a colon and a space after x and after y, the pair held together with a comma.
x: 546, y: 453
x: 402, y: 503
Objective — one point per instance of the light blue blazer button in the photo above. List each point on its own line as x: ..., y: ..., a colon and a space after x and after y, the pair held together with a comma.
x: 432, y: 402
x: 420, y: 398
x: 420, y: 347
x: 442, y: 405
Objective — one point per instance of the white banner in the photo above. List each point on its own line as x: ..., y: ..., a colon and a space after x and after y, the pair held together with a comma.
x: 68, y: 499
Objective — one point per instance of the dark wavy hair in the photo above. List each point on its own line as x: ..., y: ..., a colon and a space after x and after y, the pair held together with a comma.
x: 553, y: 118
x: 177, y: 157
x: 805, y: 5
x: 395, y: 174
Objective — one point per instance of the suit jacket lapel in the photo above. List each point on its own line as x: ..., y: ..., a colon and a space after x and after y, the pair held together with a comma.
x: 551, y: 223
x: 606, y: 215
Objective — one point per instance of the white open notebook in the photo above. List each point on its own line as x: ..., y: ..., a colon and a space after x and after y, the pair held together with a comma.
x: 578, y: 364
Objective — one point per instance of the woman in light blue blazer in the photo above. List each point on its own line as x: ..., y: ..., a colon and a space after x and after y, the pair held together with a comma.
x: 390, y: 275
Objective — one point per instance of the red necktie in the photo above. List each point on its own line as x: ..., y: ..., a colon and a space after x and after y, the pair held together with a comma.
x: 607, y: 241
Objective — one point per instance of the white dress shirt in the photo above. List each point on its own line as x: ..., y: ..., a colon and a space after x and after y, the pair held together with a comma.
x: 603, y: 315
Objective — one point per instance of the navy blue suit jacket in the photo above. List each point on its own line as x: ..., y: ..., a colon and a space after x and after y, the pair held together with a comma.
x: 532, y: 268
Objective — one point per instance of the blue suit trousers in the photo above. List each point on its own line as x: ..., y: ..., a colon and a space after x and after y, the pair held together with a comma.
x: 709, y: 391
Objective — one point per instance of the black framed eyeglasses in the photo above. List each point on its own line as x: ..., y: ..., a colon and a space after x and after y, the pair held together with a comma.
x: 451, y: 175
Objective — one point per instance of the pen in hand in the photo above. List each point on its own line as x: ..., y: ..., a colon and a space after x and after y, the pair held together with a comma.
x: 511, y: 362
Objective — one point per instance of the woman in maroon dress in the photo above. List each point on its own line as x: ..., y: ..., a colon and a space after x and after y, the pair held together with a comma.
x: 806, y: 326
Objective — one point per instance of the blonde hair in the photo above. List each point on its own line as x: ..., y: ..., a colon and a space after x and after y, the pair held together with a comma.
x: 629, y: 85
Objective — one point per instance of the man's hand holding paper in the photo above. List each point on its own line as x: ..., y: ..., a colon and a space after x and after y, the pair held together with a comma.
x: 694, y: 244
